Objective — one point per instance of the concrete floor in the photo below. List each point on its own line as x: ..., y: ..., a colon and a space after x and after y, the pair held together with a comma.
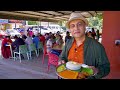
x: 32, y: 69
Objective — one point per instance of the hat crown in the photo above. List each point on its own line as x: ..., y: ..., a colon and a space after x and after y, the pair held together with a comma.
x: 75, y: 15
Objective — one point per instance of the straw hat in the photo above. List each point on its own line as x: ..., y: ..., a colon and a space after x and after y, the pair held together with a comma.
x: 75, y: 16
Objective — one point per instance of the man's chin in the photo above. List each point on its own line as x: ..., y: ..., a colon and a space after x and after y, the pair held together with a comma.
x: 76, y: 36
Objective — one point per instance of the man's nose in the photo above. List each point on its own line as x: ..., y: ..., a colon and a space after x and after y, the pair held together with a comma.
x: 76, y: 27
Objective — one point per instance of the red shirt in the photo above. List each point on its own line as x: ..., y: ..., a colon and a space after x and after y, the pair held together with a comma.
x: 42, y: 39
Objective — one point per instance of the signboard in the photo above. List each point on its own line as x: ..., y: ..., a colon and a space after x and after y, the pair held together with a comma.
x: 3, y: 21
x: 15, y: 21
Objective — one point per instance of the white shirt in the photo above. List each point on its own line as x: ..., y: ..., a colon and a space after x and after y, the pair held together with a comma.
x: 29, y: 40
x: 49, y: 45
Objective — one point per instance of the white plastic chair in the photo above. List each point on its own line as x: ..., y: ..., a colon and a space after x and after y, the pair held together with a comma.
x: 22, y: 50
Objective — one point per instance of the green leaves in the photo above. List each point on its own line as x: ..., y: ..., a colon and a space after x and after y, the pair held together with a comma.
x: 87, y: 70
x: 61, y: 68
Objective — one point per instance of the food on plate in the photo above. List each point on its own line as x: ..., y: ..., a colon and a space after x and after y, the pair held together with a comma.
x: 74, y: 70
x: 73, y: 65
x: 85, y: 74
x: 87, y: 70
x: 68, y: 74
x: 61, y: 68
x: 81, y: 76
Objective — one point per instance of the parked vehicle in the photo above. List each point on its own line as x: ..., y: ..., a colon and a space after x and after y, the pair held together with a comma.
x: 12, y: 32
x: 2, y: 34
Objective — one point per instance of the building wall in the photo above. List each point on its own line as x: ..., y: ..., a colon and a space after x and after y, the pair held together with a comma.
x: 111, y: 32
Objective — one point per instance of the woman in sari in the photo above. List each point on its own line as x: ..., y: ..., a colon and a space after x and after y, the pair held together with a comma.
x: 5, y: 50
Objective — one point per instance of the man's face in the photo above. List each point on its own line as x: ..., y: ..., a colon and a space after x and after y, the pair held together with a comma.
x: 77, y: 28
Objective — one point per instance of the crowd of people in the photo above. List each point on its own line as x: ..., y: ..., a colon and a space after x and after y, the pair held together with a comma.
x: 93, y: 34
x: 53, y: 43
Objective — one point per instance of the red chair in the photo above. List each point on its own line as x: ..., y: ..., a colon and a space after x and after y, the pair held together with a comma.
x: 52, y: 60
x: 44, y: 53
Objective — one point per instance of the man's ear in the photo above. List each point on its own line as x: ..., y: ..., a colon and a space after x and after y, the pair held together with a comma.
x: 86, y: 25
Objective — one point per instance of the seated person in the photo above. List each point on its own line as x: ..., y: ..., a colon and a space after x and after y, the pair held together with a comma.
x: 49, y: 44
x: 42, y: 38
x: 36, y: 41
x: 5, y: 50
x: 59, y: 43
x: 50, y: 49
x: 17, y: 43
x: 28, y: 41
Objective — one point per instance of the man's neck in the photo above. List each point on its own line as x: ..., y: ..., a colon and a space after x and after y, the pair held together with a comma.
x: 80, y: 39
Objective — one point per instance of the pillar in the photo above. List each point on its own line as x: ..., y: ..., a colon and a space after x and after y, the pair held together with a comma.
x: 110, y: 33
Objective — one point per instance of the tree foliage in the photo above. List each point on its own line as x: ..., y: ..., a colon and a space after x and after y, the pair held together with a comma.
x: 32, y: 23
x: 96, y: 22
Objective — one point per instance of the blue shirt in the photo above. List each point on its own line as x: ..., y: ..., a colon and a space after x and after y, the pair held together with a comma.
x: 36, y: 41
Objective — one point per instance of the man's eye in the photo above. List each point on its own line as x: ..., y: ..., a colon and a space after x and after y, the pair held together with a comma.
x: 79, y: 24
x: 71, y: 26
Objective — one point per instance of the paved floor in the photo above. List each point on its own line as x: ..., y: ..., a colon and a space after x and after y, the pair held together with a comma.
x: 32, y: 69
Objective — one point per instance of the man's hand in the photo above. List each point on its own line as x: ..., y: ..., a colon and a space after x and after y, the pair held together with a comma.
x: 95, y: 70
x: 61, y: 62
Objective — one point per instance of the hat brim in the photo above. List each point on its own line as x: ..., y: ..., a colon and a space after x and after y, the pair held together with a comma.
x: 85, y: 20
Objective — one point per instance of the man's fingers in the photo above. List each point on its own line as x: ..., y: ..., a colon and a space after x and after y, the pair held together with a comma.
x: 61, y: 62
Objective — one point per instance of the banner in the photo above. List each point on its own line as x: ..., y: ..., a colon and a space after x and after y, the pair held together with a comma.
x: 15, y: 21
x: 3, y: 21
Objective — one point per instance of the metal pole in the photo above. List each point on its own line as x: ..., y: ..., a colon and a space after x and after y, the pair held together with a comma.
x: 15, y: 24
x: 48, y: 24
x: 40, y: 27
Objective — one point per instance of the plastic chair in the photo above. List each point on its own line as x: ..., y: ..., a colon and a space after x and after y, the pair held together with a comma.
x: 52, y: 60
x: 22, y: 50
x: 40, y: 47
x: 32, y: 48
x: 44, y: 53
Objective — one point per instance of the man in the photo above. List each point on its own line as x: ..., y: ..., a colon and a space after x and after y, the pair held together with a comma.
x: 41, y: 38
x: 5, y: 50
x: 98, y: 35
x: 36, y: 41
x: 18, y: 41
x: 67, y: 37
x: 28, y: 41
x: 83, y: 49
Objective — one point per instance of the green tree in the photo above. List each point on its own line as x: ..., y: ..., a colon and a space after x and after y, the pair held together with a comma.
x: 32, y: 23
x: 96, y: 21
